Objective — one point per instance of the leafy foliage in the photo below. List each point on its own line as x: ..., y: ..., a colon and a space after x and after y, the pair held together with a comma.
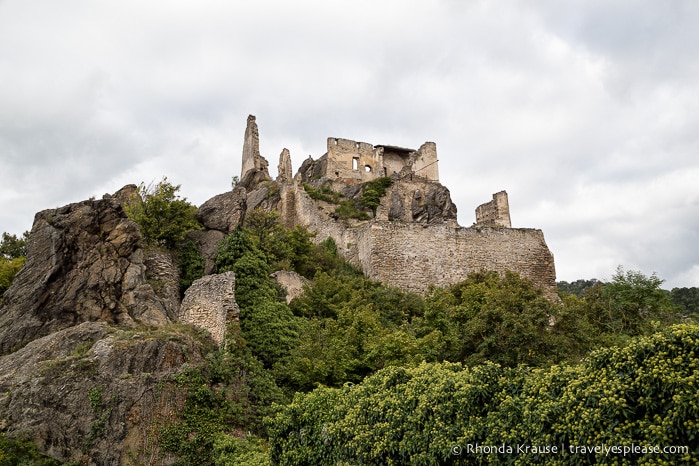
x: 578, y: 287
x: 164, y: 217
x: 373, y: 191
x: 370, y: 198
x: 642, y: 394
x: 18, y: 452
x: 348, y: 209
x: 12, y: 247
x: 191, y: 264
x: 323, y: 193
x: 12, y: 257
x: 232, y: 391
x: 164, y: 220
x: 491, y: 318
x: 629, y: 304
x: 8, y: 270
x: 686, y: 299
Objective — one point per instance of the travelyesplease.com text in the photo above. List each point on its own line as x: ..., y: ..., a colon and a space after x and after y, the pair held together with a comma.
x: 606, y: 450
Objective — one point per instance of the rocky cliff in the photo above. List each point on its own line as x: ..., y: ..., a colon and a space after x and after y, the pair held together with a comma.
x: 85, y: 263
x: 89, y: 341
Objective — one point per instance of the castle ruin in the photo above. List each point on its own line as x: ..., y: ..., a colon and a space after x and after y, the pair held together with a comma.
x: 412, y: 239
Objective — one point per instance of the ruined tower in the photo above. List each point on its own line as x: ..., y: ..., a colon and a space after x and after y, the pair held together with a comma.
x: 254, y: 169
x: 284, y: 171
x: 495, y: 212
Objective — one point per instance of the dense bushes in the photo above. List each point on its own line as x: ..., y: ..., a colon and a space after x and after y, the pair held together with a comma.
x: 643, y: 395
x: 13, y: 251
x: 17, y: 452
x: 164, y: 217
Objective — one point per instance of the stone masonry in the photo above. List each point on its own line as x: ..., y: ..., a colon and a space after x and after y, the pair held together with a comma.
x: 209, y: 302
x: 413, y: 240
x: 495, y: 212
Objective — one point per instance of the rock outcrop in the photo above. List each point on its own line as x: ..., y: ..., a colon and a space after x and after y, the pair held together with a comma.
x: 85, y: 263
x: 88, y: 325
x: 285, y: 174
x: 93, y: 394
x: 223, y: 212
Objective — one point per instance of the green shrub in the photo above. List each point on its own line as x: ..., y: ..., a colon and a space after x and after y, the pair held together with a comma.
x: 373, y: 191
x: 21, y: 452
x: 323, y: 193
x: 191, y: 264
x: 643, y: 394
x: 348, y: 209
x: 163, y: 217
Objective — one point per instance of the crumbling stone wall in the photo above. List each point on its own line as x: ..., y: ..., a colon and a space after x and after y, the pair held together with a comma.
x: 495, y: 212
x: 359, y: 162
x: 209, y: 303
x: 414, y: 256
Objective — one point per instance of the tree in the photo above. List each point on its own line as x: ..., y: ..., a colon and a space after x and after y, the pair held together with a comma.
x: 488, y: 317
x: 687, y: 299
x: 12, y: 247
x: 629, y: 304
x: 12, y: 256
x: 164, y: 217
x: 643, y: 394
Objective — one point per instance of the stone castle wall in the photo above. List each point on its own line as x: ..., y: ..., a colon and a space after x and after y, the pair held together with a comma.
x: 413, y: 256
x: 413, y: 241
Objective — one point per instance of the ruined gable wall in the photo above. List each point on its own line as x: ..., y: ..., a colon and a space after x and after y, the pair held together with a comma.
x: 425, y: 162
x: 341, y: 153
x: 394, y: 161
x: 414, y: 256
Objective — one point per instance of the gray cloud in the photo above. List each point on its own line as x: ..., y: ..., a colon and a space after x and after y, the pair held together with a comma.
x: 583, y: 111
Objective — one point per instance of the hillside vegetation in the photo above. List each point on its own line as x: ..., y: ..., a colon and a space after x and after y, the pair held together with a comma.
x: 356, y: 372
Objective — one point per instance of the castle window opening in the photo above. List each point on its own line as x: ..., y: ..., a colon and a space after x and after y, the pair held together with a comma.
x: 367, y: 168
x: 355, y: 163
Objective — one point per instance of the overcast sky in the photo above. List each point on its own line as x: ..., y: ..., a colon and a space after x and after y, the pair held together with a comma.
x: 586, y: 112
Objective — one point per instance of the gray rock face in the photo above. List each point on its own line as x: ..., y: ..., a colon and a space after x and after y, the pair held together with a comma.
x: 223, y: 212
x: 432, y: 205
x: 207, y: 241
x: 163, y: 275
x: 93, y: 395
x: 292, y: 283
x: 209, y: 302
x: 84, y: 263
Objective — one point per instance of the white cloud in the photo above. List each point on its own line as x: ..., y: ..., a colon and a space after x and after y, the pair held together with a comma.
x: 582, y: 111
